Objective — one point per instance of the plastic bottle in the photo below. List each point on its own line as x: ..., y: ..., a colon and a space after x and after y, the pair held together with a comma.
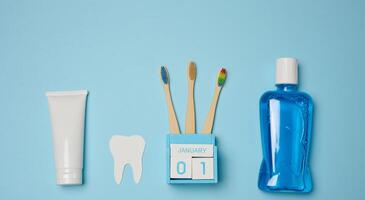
x: 286, y: 125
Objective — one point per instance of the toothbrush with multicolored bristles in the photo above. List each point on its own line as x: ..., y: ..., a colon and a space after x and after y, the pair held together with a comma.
x: 190, y: 112
x: 174, y: 125
x: 210, y: 118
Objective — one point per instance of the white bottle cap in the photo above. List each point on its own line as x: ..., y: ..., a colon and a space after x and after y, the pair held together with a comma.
x: 286, y: 71
x: 69, y: 176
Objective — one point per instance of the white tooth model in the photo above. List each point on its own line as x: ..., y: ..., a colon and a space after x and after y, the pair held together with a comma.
x: 127, y: 150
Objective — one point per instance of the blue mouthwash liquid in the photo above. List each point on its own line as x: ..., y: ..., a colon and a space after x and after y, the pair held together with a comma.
x: 286, y: 124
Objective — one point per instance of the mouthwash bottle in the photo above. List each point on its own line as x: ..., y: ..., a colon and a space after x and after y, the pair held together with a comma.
x: 286, y: 125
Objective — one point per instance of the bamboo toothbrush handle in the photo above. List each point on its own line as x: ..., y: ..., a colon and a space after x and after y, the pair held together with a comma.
x: 208, y: 126
x: 190, y: 113
x: 174, y: 126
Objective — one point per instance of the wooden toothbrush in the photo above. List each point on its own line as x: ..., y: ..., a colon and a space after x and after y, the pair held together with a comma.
x: 174, y: 125
x: 222, y: 75
x: 190, y: 112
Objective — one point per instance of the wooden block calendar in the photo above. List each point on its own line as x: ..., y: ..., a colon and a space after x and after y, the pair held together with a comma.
x: 192, y: 159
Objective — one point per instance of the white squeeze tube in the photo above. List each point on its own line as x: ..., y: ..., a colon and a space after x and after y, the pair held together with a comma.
x: 67, y: 112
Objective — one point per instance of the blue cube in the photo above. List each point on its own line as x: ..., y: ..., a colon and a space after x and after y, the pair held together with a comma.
x: 192, y: 153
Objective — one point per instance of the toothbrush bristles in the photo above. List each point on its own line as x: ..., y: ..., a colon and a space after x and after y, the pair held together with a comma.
x: 222, y: 77
x: 192, y: 71
x: 164, y: 75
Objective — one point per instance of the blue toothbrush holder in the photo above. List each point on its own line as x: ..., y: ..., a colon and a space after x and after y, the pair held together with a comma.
x: 192, y: 159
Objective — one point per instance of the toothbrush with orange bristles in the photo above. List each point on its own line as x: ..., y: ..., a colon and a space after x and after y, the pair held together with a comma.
x: 222, y: 75
x: 174, y: 125
x: 190, y: 111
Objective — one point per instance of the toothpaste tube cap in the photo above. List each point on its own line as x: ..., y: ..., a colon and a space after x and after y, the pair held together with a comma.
x: 69, y: 176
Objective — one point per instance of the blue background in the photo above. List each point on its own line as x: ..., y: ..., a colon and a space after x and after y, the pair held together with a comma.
x: 115, y: 48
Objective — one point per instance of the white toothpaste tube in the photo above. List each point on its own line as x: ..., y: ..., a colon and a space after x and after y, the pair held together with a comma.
x: 67, y: 112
